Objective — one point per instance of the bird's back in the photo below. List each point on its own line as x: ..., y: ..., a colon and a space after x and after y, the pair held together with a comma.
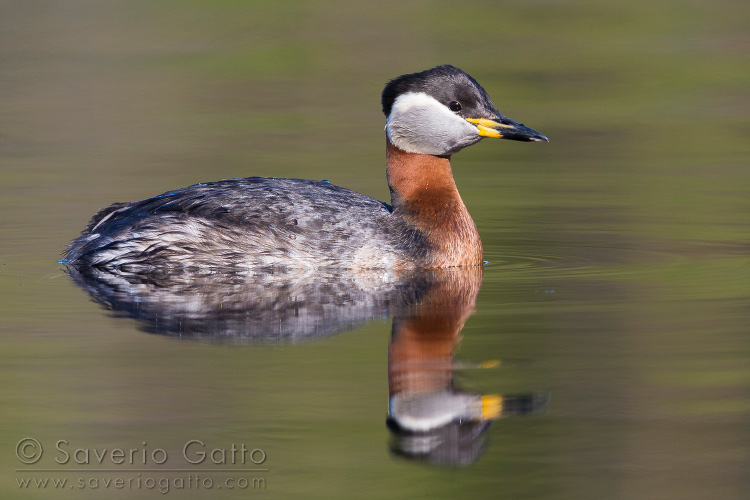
x: 253, y: 222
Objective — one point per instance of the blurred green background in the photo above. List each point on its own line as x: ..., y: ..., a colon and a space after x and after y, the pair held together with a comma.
x: 635, y: 215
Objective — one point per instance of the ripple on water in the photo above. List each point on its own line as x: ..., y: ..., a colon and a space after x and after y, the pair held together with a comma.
x: 638, y: 260
x: 517, y: 261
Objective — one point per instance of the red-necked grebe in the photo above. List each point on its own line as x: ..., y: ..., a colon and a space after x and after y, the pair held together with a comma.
x: 260, y: 222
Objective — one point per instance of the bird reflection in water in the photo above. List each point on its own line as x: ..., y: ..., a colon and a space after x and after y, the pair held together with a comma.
x: 273, y: 305
x: 429, y: 418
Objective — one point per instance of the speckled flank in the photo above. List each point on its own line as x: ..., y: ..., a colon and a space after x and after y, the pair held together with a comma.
x: 249, y: 223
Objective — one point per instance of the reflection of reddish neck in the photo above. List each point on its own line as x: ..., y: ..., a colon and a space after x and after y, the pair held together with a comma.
x: 420, y: 355
x: 424, y: 193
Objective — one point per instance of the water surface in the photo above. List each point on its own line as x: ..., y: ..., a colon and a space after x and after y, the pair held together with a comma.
x: 616, y: 290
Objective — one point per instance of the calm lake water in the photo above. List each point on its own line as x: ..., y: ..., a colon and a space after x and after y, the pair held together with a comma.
x: 604, y: 352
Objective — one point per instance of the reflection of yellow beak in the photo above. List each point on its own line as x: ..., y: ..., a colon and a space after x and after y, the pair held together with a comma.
x: 507, y: 130
x: 492, y: 406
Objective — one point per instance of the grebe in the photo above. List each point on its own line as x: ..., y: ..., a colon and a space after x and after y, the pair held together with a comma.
x: 256, y: 223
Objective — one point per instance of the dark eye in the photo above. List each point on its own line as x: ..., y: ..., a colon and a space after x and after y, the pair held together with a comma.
x: 455, y: 106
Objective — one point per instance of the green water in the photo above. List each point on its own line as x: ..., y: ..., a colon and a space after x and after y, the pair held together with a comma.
x: 619, y: 252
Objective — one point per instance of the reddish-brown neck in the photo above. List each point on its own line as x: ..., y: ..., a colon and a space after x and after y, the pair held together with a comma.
x: 424, y: 193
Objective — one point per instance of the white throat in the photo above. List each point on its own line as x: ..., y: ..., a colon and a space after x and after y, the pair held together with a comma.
x: 419, y: 123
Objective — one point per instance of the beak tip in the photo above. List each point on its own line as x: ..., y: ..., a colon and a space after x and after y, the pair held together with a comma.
x: 504, y: 128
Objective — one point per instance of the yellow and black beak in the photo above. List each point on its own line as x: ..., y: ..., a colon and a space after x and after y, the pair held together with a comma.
x: 505, y: 128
